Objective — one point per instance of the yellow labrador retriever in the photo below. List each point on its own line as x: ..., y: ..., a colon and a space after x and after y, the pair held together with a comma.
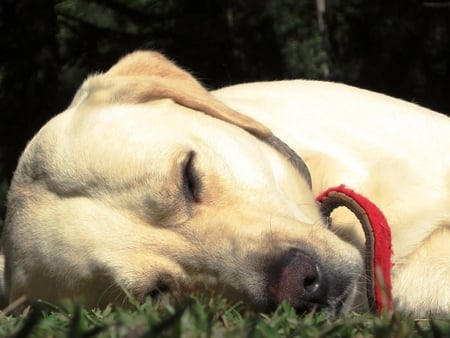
x: 148, y: 183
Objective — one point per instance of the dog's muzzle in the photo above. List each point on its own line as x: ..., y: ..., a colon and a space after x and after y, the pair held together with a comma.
x: 300, y: 280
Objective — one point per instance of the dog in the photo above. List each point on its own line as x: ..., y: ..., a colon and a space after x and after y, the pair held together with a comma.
x: 149, y: 183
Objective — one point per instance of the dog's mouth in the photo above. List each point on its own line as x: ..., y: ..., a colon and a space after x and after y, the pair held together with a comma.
x: 159, y: 291
x: 296, y: 274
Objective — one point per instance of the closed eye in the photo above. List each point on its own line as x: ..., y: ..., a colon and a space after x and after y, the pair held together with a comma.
x: 191, y: 179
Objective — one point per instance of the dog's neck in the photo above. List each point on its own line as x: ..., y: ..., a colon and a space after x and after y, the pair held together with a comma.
x: 378, y: 254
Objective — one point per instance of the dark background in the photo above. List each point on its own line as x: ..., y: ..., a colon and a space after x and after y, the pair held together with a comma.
x: 400, y: 47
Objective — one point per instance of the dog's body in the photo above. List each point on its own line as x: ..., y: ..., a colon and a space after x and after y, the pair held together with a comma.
x: 393, y: 152
x: 147, y: 182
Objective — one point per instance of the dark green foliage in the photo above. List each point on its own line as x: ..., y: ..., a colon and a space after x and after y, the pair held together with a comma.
x: 48, y: 47
x: 3, y: 193
x: 400, y: 48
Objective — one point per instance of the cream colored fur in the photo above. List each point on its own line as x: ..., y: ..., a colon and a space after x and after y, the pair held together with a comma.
x: 98, y: 204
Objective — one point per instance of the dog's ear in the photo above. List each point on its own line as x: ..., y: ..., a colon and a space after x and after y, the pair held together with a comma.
x: 144, y: 76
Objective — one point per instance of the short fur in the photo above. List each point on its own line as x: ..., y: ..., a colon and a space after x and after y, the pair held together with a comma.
x: 148, y: 182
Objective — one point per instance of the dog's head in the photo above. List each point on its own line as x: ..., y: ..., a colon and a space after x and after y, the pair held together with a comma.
x: 147, y: 183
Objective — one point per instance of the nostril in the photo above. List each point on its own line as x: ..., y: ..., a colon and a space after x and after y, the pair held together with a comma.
x: 311, y: 282
x: 297, y: 278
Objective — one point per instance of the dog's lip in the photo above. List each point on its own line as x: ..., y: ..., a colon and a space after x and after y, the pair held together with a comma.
x: 333, y: 308
x: 337, y: 304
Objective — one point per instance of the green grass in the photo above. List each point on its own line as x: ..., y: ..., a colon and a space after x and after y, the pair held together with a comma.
x: 206, y: 317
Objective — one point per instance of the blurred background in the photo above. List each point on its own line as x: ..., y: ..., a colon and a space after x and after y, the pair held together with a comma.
x: 401, y: 48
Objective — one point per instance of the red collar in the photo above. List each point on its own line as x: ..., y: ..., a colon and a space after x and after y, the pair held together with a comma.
x: 378, y: 242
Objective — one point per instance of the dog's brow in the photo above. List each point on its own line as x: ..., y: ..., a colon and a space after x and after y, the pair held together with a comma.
x: 291, y: 156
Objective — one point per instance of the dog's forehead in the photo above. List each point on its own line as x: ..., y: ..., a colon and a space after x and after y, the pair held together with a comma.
x: 155, y: 133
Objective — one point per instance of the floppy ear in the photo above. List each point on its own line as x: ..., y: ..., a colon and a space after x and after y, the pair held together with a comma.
x: 143, y: 76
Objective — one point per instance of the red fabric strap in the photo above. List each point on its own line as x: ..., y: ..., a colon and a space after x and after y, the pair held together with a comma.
x: 378, y: 254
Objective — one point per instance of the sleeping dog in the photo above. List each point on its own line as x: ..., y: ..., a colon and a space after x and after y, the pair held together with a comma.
x: 149, y: 183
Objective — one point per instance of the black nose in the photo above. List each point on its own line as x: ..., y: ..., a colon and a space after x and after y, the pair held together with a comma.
x: 297, y: 278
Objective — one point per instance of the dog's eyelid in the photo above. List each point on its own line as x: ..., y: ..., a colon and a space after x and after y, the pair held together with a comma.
x: 191, y: 179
